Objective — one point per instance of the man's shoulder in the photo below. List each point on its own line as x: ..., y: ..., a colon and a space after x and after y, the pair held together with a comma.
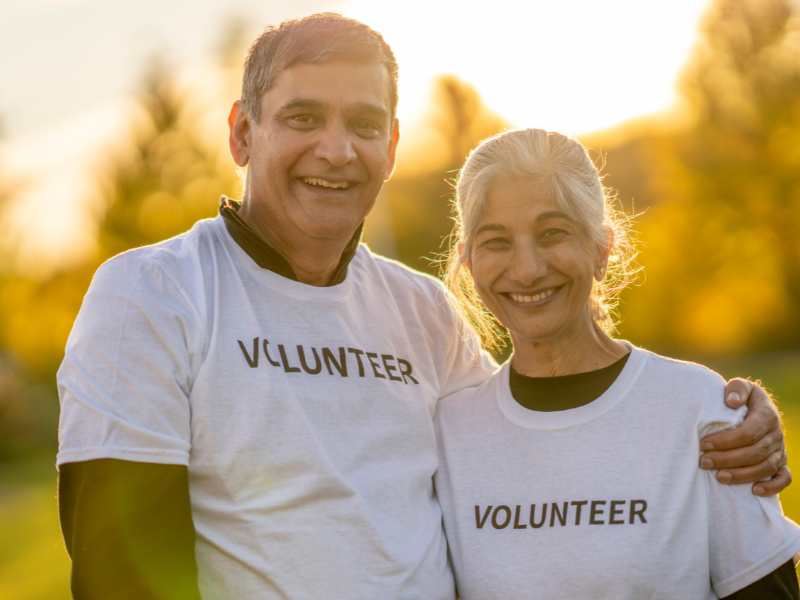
x: 396, y: 273
x: 173, y: 257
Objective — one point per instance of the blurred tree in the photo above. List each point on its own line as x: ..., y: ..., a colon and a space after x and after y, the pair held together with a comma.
x: 156, y: 184
x: 419, y: 201
x: 721, y: 246
x: 166, y: 178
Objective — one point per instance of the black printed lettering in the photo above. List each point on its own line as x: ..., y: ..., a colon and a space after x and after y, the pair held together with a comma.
x: 317, y: 364
x: 480, y: 521
x: 286, y: 366
x: 543, y: 516
x: 373, y: 361
x: 596, y: 512
x: 637, y: 509
x: 495, y: 522
x: 405, y: 370
x: 274, y: 363
x: 517, y: 524
x: 578, y: 504
x: 616, y: 510
x: 330, y: 359
x: 252, y: 360
x: 389, y: 367
x: 358, y: 353
x: 562, y: 513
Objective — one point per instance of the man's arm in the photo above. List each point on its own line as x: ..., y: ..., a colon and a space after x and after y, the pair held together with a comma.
x: 781, y: 584
x: 128, y: 530
x: 754, y: 452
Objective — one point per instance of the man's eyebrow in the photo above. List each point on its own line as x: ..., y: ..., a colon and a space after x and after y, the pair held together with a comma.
x: 366, y: 108
x: 360, y: 108
x: 303, y: 103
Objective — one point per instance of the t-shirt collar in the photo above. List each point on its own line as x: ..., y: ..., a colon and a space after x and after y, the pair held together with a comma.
x: 267, y: 257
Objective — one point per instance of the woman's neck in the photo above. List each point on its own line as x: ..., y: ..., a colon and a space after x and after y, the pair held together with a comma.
x: 579, y: 350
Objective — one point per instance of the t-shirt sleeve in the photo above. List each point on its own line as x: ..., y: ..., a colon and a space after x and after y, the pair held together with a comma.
x: 466, y: 363
x: 749, y: 536
x: 125, y: 379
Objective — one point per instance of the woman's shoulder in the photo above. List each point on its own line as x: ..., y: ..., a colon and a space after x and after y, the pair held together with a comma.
x: 692, y: 388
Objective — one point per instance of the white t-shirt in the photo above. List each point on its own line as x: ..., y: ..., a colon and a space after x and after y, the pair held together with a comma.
x: 605, y: 500
x: 304, y: 414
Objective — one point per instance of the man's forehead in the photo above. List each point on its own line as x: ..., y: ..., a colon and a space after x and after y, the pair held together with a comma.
x: 341, y: 82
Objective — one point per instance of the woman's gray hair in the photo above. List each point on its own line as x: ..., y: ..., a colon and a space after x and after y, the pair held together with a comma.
x: 564, y: 166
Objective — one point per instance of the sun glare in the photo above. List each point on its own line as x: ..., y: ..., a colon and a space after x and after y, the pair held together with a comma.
x: 573, y: 65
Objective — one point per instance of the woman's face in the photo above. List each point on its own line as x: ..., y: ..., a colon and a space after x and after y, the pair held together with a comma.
x: 532, y: 264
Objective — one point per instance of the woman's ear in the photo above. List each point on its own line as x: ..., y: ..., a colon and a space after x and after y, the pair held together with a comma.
x: 463, y: 256
x: 603, y: 253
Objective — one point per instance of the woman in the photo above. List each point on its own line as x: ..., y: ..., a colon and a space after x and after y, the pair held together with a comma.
x: 572, y: 472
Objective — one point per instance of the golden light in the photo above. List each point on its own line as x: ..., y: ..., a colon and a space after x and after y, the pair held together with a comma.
x: 573, y: 66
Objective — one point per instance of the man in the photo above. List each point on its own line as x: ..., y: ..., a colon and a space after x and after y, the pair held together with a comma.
x: 246, y: 408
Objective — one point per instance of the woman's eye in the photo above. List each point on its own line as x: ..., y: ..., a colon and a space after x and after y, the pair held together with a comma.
x: 553, y: 234
x: 495, y: 244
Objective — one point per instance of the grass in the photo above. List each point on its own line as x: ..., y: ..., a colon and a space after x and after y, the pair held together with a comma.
x: 34, y: 564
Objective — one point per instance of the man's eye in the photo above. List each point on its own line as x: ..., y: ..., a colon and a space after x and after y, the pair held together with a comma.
x: 367, y: 128
x: 302, y: 121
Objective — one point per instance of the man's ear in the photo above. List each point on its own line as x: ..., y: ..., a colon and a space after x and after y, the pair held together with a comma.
x: 239, y: 134
x: 393, y: 141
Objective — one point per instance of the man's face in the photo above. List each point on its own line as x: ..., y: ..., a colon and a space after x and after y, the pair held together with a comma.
x: 324, y: 145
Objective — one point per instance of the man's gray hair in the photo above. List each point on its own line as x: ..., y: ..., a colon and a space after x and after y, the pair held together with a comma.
x: 314, y: 39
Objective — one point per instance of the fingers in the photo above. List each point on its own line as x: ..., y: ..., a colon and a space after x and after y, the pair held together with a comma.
x: 762, y: 418
x: 776, y: 484
x: 764, y: 470
x: 746, y: 456
x: 737, y: 392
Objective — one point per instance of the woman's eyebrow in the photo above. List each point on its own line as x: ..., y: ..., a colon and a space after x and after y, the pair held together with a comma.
x: 489, y: 227
x: 553, y: 214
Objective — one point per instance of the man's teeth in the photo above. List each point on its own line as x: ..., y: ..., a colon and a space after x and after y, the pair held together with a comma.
x: 334, y: 185
x: 527, y: 298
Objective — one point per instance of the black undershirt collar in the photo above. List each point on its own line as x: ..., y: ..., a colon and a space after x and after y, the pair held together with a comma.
x: 564, y: 391
x: 267, y: 257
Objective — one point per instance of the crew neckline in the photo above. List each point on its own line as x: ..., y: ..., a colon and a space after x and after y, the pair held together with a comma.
x: 284, y: 285
x: 562, y: 419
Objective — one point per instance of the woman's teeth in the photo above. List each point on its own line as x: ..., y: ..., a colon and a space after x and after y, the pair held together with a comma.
x: 531, y: 298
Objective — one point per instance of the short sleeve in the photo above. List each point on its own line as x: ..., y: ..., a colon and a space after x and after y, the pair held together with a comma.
x: 466, y: 363
x: 749, y: 536
x: 125, y: 380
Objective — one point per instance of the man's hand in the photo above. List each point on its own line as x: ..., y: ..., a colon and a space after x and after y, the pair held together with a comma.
x: 753, y: 451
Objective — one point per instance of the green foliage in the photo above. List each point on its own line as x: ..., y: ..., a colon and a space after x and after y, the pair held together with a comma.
x: 166, y: 177
x: 720, y: 239
x: 419, y: 202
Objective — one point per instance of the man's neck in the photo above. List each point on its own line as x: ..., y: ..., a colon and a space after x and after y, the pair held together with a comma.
x: 314, y: 262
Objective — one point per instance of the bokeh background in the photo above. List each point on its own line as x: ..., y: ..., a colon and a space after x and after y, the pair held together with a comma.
x: 112, y: 135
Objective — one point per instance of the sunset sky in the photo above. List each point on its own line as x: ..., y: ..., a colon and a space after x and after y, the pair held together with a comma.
x: 71, y: 68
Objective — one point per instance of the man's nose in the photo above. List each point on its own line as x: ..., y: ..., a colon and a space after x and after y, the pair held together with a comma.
x: 335, y: 145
